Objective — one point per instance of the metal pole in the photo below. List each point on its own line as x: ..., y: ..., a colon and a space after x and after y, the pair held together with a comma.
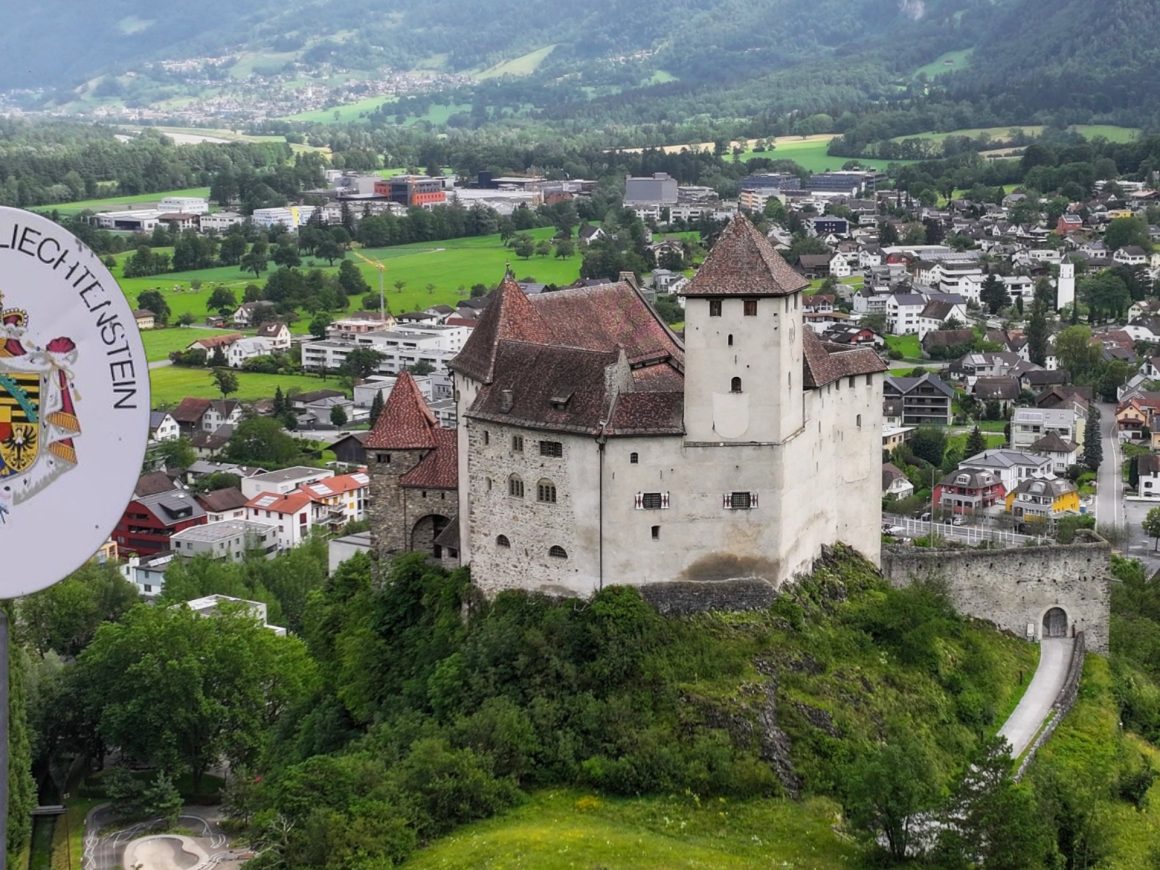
x: 4, y: 778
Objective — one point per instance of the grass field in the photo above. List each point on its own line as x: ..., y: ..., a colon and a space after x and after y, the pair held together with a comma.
x: 342, y: 114
x: 952, y: 61
x: 173, y: 383
x: 566, y: 829
x: 159, y: 343
x: 809, y: 152
x: 959, y: 442
x: 1001, y: 134
x: 524, y: 65
x: 143, y: 200
x: 909, y: 345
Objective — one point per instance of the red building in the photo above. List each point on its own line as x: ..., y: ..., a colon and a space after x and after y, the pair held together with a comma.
x: 412, y: 190
x: 965, y: 492
x: 150, y: 521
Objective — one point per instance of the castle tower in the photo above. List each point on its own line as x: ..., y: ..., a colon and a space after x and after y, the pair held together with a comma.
x: 403, y: 435
x: 743, y: 343
x: 1065, y: 289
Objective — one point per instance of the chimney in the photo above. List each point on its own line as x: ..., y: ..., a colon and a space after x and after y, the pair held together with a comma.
x: 505, y: 401
x: 629, y: 278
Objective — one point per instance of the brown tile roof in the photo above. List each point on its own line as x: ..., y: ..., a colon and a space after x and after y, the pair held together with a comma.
x: 648, y: 414
x: 744, y: 263
x: 1004, y: 388
x: 405, y: 423
x: 1149, y: 463
x: 439, y: 469
x: 948, y: 338
x: 190, y: 410
x: 825, y: 363
x: 212, y: 341
x: 1052, y: 443
x: 152, y: 483
x: 509, y: 316
x: 221, y: 500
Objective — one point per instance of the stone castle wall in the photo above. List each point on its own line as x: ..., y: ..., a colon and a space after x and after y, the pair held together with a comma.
x: 1015, y: 588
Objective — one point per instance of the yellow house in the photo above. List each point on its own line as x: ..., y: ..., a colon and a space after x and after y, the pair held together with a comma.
x: 1118, y: 213
x: 1043, y: 498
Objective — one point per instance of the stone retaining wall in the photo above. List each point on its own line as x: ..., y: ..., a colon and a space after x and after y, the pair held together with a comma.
x: 1064, y: 701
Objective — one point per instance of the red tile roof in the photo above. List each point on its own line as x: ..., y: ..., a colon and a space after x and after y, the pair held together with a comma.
x: 405, y: 423
x: 509, y: 316
x: 439, y: 469
x: 190, y: 410
x: 290, y: 503
x: 744, y: 263
x: 826, y: 363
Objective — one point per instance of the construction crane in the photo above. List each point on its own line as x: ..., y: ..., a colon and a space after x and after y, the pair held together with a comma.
x: 382, y: 295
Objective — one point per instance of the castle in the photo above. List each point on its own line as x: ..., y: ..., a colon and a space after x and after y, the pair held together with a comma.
x: 595, y: 447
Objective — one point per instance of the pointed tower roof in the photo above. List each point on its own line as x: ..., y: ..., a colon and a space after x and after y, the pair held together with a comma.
x: 509, y: 316
x: 744, y: 263
x: 405, y: 423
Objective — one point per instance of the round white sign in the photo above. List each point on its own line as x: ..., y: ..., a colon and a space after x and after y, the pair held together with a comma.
x: 74, y: 403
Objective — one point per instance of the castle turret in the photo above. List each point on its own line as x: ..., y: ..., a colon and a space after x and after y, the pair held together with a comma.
x: 743, y: 343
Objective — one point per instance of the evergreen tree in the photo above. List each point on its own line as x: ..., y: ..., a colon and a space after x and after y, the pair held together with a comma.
x: 994, y: 294
x: 1093, y: 448
x: 376, y: 408
x: 1037, y: 334
x: 279, y: 402
x: 976, y: 442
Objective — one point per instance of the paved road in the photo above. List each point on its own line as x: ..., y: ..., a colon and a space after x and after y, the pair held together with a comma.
x: 1110, y: 491
x: 1023, y: 724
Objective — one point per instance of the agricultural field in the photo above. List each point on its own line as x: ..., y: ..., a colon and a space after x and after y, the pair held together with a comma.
x: 342, y: 114
x: 908, y: 345
x: 524, y: 65
x: 809, y: 152
x: 160, y: 343
x: 952, y: 61
x: 567, y: 829
x: 140, y: 200
x: 1001, y: 134
x: 171, y: 384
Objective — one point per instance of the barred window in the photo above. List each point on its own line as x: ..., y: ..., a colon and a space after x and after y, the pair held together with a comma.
x: 557, y: 552
x: 518, y: 443
x: 551, y: 448
x: 546, y: 492
x: 633, y: 458
x: 515, y: 486
x: 502, y: 541
x: 739, y: 501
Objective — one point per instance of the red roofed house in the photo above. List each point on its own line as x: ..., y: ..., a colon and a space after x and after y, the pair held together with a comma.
x: 415, y: 477
x: 340, y: 500
x: 153, y: 517
x: 291, y: 512
x: 595, y: 447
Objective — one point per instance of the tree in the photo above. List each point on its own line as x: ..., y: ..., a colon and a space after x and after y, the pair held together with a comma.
x: 543, y: 248
x: 1123, y: 232
x: 178, y: 691
x: 376, y: 408
x: 888, y: 787
x: 64, y: 617
x: 175, y: 453
x: 361, y: 363
x: 338, y: 416
x: 155, y: 302
x: 929, y: 443
x: 1093, y: 448
x: 976, y: 442
x: 1151, y: 527
x: 565, y: 248
x: 256, y: 259
x: 286, y: 255
x: 1076, y: 353
x: 319, y: 323
x: 330, y: 250
x: 994, y: 294
x: 261, y: 441
x: 225, y: 380
x: 1037, y: 334
x: 422, y: 367
x: 185, y: 319
x: 400, y: 284
x: 524, y: 246
x: 222, y: 299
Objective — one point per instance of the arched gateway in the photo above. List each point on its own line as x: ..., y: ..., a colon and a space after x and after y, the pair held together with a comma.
x: 1055, y: 622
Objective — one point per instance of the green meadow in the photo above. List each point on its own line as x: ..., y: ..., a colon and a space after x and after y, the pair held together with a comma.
x: 523, y: 65
x: 952, y: 61
x: 144, y: 200
x: 810, y: 154
x: 1002, y: 134
x: 171, y: 384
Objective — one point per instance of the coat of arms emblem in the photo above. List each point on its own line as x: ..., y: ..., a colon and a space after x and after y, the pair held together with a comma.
x: 38, y: 418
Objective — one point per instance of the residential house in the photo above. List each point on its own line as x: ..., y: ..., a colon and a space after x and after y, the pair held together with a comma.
x: 249, y: 313
x: 283, y: 481
x: 223, y: 504
x: 162, y: 427
x: 350, y: 449
x: 1148, y: 469
x: 1042, y: 499
x: 210, y: 343
x: 340, y: 500
x: 969, y: 491
x: 147, y: 573
x: 145, y: 318
x: 814, y: 265
x: 1028, y: 425
x: 1012, y: 467
x: 292, y: 513
x: 925, y: 400
x: 221, y: 412
x: 894, y: 482
x: 231, y: 540
x: 938, y: 313
x: 1133, y: 417
x: 1132, y: 255
x: 149, y: 521
x: 208, y: 444
x: 210, y: 605
x: 1005, y: 391
x: 188, y: 415
x: 903, y: 311
x: 840, y: 266
x: 1063, y: 454
x: 944, y: 343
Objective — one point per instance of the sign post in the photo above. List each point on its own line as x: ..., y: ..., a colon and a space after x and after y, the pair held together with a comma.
x: 74, y: 417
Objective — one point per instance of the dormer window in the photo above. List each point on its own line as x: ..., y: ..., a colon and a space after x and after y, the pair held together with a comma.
x: 560, y: 400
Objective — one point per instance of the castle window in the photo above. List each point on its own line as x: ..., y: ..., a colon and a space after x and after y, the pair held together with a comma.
x: 714, y: 307
x: 546, y: 492
x: 489, y: 484
x: 502, y: 541
x: 656, y: 533
x: 869, y: 380
x: 652, y: 501
x: 515, y: 486
x: 731, y: 339
x: 859, y: 421
x: 850, y: 383
x: 739, y: 501
x: 486, y: 437
x: 384, y: 458
x: 551, y: 448
x: 557, y: 552
x: 735, y: 385
x: 518, y: 443
x: 634, y: 459
x: 750, y: 308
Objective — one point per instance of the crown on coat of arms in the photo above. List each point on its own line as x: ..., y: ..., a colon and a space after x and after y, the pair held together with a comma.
x: 12, y: 316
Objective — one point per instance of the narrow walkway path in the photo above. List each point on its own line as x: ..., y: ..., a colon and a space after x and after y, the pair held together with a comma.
x: 1035, y: 706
